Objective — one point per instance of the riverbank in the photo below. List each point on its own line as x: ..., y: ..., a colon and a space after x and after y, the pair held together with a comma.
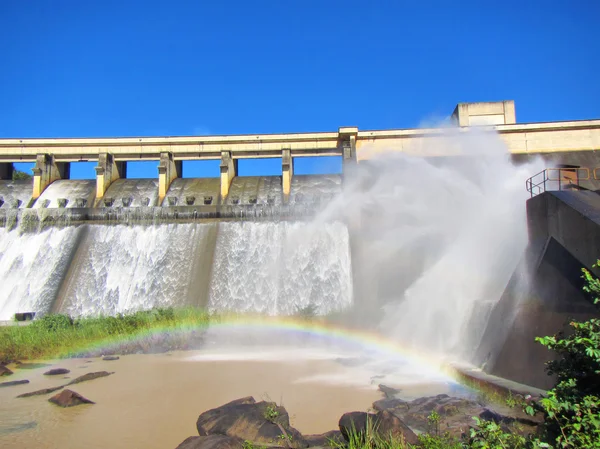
x: 59, y: 336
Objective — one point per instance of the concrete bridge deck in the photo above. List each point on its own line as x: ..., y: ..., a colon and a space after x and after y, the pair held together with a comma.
x: 560, y: 142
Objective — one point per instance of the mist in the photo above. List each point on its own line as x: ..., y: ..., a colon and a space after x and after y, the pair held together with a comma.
x: 435, y: 239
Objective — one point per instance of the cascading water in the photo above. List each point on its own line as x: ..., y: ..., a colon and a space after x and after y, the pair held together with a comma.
x: 128, y: 268
x: 281, y: 268
x: 436, y: 241
x: 32, y: 266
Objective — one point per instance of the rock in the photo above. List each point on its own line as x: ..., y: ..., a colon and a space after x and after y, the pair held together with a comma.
x: 211, y: 442
x: 324, y: 439
x: 387, y: 424
x: 8, y: 429
x: 383, y: 423
x: 89, y: 376
x: 4, y: 371
x: 263, y: 423
x: 69, y: 398
x: 388, y: 392
x: 22, y: 365
x: 456, y: 414
x: 13, y: 383
x: 109, y: 358
x: 355, y: 422
x: 57, y: 371
x: 40, y: 392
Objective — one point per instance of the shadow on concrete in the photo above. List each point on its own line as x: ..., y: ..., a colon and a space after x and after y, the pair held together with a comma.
x: 545, y: 292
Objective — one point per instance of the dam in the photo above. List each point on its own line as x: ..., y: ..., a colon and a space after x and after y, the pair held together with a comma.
x: 420, y: 233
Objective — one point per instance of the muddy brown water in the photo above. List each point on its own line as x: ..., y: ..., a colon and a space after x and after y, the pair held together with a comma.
x: 153, y: 401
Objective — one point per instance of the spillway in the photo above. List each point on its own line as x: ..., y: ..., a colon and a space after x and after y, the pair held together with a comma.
x: 134, y: 255
x: 281, y: 268
x: 14, y: 194
x: 32, y: 267
x: 119, y: 269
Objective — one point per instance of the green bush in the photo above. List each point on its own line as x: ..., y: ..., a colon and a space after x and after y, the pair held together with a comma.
x: 53, y: 323
x: 572, y: 407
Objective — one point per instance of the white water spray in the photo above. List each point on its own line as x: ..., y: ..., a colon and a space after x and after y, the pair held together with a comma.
x: 435, y: 240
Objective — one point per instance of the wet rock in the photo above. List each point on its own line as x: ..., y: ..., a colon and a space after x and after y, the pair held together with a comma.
x: 57, y: 371
x: 22, y: 365
x: 388, y: 392
x: 4, y: 371
x: 324, y: 439
x: 383, y: 423
x: 211, y: 442
x: 264, y: 423
x: 387, y: 424
x: 69, y: 398
x: 355, y: 422
x: 40, y: 392
x: 6, y: 429
x: 109, y: 358
x: 456, y: 414
x: 89, y: 376
x: 12, y: 383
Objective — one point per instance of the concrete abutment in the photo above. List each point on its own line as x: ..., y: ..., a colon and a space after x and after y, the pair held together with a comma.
x: 168, y: 170
x: 107, y: 171
x: 229, y: 170
x: 46, y: 171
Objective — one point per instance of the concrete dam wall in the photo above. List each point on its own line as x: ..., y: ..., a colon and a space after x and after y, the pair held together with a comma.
x: 545, y: 292
x: 53, y: 258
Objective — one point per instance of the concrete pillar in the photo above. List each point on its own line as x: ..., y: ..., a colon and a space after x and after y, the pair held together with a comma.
x: 347, y: 139
x: 510, y: 115
x: 6, y: 170
x: 168, y: 170
x: 46, y: 171
x: 107, y: 172
x: 228, y: 172
x: 287, y: 170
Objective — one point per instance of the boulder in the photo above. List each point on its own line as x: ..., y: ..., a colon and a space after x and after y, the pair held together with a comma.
x: 57, y: 371
x: 263, y: 423
x: 355, y: 422
x: 26, y: 365
x: 109, y: 358
x: 4, y: 371
x: 89, y: 376
x: 211, y: 442
x: 40, y: 392
x: 388, y: 392
x: 69, y: 398
x: 12, y: 383
x: 324, y: 439
x: 384, y: 424
x: 16, y: 428
x: 456, y: 414
x: 387, y: 424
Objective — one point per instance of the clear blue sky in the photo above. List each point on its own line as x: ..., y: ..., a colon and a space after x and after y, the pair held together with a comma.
x: 128, y: 68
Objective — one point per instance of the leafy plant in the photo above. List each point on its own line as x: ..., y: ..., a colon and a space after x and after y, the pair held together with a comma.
x: 572, y: 407
x: 20, y: 175
x: 271, y: 413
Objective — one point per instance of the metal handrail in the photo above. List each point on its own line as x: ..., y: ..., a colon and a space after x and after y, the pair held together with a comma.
x: 538, y: 183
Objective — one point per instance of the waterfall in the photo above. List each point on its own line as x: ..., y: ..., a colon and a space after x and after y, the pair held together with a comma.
x: 32, y: 267
x: 123, y: 268
x: 281, y: 267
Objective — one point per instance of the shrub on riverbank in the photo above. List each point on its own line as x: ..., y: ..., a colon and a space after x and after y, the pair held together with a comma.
x: 58, y: 335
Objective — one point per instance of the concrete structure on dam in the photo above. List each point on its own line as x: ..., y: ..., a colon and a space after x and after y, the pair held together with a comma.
x: 68, y: 269
x: 567, y: 144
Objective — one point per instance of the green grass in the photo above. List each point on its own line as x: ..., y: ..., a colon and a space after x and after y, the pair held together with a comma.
x: 60, y: 336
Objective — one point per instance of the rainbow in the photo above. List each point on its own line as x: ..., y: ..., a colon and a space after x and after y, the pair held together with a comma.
x: 317, y: 329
